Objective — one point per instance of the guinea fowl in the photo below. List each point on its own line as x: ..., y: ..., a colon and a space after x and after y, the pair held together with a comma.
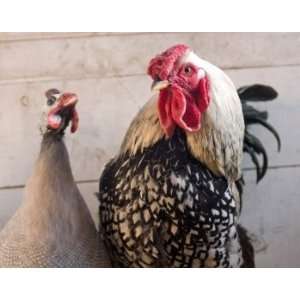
x: 53, y: 226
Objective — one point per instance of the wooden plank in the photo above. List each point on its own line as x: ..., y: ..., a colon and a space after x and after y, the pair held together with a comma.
x: 10, y: 200
x: 107, y: 56
x: 271, y: 211
x: 30, y: 36
x: 106, y: 108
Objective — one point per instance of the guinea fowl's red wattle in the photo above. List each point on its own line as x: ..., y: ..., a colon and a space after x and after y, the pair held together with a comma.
x: 74, y: 120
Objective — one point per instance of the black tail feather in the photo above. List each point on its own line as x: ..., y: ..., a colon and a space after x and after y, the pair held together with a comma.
x: 247, y: 248
x: 253, y: 146
x: 258, y: 120
x: 251, y: 112
x: 256, y: 93
x: 252, y: 116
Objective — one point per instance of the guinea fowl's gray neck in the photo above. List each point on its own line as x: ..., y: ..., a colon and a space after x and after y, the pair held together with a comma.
x: 54, y: 160
x: 51, y: 184
x: 52, y: 200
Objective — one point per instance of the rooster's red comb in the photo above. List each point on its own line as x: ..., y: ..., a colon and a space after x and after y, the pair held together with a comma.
x: 162, y: 64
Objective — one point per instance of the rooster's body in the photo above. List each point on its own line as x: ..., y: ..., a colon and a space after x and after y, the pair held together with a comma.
x: 162, y: 207
x: 169, y: 198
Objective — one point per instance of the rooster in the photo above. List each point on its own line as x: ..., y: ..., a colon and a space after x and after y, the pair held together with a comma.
x: 169, y: 198
x: 53, y: 226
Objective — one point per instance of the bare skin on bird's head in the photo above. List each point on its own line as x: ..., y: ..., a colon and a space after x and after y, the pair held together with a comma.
x: 60, y: 111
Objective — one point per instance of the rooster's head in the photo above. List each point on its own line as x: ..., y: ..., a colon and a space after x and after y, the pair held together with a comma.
x: 184, y: 89
x: 190, y: 87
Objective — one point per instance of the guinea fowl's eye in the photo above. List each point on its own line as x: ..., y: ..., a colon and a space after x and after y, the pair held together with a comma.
x: 51, y: 101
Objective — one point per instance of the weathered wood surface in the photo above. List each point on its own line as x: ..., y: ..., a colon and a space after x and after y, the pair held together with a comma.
x: 122, y: 55
x: 107, y: 71
x: 30, y: 36
x: 271, y: 211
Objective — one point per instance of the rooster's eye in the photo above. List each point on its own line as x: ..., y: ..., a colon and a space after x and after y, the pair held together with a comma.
x: 188, y: 70
x: 51, y: 101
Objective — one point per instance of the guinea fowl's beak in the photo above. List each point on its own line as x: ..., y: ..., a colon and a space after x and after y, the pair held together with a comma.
x: 158, y: 85
x: 68, y: 100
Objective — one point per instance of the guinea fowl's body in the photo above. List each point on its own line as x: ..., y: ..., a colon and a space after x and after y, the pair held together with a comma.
x: 162, y: 207
x: 53, y: 227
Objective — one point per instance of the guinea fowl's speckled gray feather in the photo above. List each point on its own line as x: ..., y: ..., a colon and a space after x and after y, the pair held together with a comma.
x: 53, y: 227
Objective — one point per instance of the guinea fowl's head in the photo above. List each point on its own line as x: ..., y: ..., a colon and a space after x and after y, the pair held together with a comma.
x: 59, y: 112
x: 199, y: 98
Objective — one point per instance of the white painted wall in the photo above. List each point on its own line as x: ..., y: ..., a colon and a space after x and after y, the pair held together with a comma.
x: 108, y: 73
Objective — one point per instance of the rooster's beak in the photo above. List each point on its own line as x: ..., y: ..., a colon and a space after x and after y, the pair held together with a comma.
x: 158, y: 85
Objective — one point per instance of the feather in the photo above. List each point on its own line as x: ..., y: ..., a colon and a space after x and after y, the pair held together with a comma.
x: 253, y: 146
x: 257, y: 92
x: 253, y: 116
x: 247, y: 248
x: 164, y: 206
x: 269, y: 127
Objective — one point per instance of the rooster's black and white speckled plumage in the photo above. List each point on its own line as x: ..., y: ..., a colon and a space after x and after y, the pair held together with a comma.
x: 162, y: 207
